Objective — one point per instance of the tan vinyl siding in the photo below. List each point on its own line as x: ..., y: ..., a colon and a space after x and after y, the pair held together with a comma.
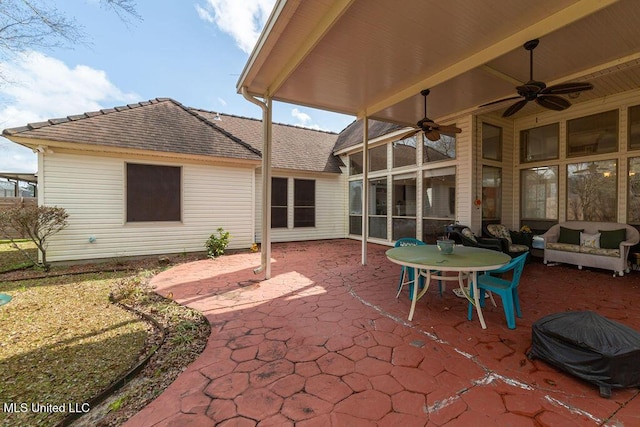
x: 330, y: 208
x: 93, y: 191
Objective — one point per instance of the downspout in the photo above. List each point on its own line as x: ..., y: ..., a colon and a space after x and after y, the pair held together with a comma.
x: 265, y: 246
x: 365, y: 188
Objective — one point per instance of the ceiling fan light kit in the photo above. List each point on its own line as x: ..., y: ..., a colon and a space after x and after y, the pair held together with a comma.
x: 431, y: 129
x: 540, y: 93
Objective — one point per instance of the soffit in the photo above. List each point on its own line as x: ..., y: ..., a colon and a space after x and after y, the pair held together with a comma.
x: 374, y: 56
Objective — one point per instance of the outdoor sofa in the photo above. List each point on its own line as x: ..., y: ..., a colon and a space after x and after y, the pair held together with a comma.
x: 591, y: 244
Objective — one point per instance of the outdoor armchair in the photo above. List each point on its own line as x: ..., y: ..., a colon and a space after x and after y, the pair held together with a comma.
x: 514, y: 243
x: 466, y: 236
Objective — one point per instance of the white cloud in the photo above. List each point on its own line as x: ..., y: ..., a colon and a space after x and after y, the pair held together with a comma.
x: 222, y: 101
x: 38, y: 88
x: 243, y: 20
x: 304, y: 120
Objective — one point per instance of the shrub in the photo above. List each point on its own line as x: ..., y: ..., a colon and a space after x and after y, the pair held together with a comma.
x: 217, y: 243
x: 36, y: 223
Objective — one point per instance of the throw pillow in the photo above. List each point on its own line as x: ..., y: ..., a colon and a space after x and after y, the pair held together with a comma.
x: 466, y: 232
x: 610, y: 239
x: 590, y: 240
x: 569, y: 235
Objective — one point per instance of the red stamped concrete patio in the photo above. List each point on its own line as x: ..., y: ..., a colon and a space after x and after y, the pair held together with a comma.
x: 325, y: 342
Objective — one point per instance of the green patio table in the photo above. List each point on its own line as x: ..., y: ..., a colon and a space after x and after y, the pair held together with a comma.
x: 465, y: 260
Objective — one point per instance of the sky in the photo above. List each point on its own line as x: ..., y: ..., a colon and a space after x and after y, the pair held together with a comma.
x: 191, y: 51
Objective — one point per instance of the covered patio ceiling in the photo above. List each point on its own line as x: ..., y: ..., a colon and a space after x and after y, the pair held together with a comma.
x: 372, y: 57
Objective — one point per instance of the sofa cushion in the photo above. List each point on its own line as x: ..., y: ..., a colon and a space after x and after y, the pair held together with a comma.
x: 569, y: 235
x: 499, y: 231
x: 590, y: 240
x: 611, y: 239
x: 600, y: 251
x: 466, y: 232
x: 567, y: 247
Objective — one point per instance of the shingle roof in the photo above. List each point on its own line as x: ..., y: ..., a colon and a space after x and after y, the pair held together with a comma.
x: 352, y: 134
x: 294, y: 147
x: 160, y: 124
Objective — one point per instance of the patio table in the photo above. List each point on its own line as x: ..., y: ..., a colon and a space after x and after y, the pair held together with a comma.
x: 465, y: 260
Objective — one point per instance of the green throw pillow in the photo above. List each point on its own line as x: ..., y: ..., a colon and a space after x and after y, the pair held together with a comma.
x: 570, y: 236
x: 610, y: 239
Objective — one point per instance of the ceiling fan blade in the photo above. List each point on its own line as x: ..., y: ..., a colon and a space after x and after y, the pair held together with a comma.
x: 553, y: 102
x: 564, y: 88
x: 449, y: 129
x: 511, y: 98
x: 514, y: 108
x: 432, y: 135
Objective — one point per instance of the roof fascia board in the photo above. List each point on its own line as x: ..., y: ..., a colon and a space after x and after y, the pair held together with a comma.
x: 256, y: 59
x: 68, y: 147
x: 552, y: 23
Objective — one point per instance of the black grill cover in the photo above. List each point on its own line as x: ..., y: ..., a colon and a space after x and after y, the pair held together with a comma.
x: 589, y: 346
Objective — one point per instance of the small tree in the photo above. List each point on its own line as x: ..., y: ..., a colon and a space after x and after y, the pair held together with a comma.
x: 37, y: 223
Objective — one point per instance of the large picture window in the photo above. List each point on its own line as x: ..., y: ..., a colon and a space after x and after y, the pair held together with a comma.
x: 539, y: 193
x: 594, y: 134
x: 491, y: 193
x: 591, y: 191
x: 438, y: 202
x: 154, y: 193
x: 378, y: 208
x: 355, y: 207
x: 404, y: 214
x: 404, y: 152
x: 279, y: 202
x: 378, y: 158
x: 633, y: 203
x: 539, y: 143
x: 491, y: 142
x: 634, y: 128
x: 304, y: 203
x: 442, y: 149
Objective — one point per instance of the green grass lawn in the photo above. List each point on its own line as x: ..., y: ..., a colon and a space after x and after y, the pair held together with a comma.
x: 63, y: 341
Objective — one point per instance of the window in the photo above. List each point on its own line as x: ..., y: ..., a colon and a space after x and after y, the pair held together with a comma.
x: 491, y: 193
x: 378, y: 208
x: 595, y: 134
x: 591, y: 191
x: 539, y: 193
x: 304, y: 203
x: 438, y: 202
x: 404, y: 209
x: 153, y: 193
x: 279, y: 202
x: 491, y: 142
x: 634, y: 128
x: 404, y: 152
x: 633, y: 204
x: 378, y: 158
x: 355, y: 207
x: 539, y: 143
x: 355, y: 163
x: 442, y: 149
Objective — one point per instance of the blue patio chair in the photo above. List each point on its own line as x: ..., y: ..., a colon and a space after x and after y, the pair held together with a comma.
x: 408, y: 271
x: 507, y: 289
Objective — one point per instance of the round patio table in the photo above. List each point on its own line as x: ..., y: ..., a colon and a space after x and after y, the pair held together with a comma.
x: 465, y: 260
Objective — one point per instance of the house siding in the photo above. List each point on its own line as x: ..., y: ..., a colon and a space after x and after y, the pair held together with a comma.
x: 330, y: 208
x: 93, y: 191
